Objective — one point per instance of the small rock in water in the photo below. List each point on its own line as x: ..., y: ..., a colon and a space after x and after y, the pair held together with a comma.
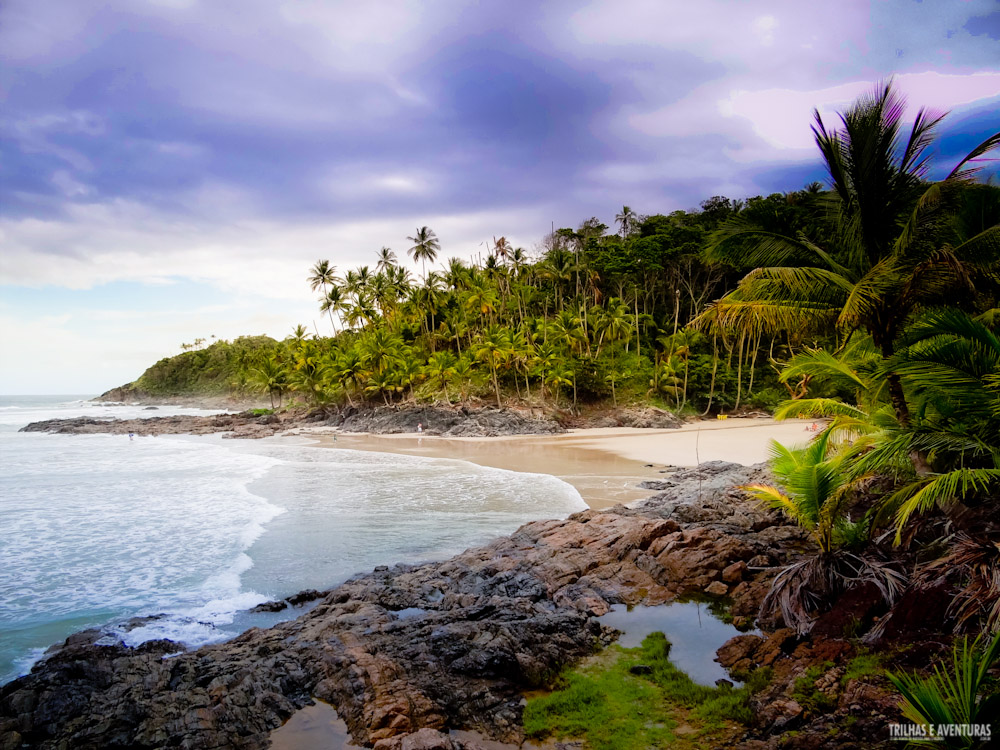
x: 304, y: 596
x: 717, y: 588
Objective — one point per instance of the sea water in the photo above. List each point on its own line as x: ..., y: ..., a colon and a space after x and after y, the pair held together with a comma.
x: 97, y: 529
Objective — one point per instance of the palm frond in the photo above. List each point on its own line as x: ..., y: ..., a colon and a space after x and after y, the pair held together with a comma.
x: 928, y: 492
x: 743, y: 244
x: 819, y: 363
x: 869, y: 293
x: 816, y: 408
x: 961, y: 171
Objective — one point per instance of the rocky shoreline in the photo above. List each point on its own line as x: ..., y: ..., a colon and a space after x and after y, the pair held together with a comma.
x: 446, y: 421
x: 409, y: 652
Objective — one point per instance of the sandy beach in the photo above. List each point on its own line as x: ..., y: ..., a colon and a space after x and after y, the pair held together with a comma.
x: 605, y: 465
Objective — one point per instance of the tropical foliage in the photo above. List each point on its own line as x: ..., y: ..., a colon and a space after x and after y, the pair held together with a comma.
x: 871, y: 305
x: 956, y: 695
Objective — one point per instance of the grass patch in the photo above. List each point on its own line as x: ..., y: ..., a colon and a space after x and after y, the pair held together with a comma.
x: 613, y: 708
x: 261, y: 412
x: 863, y: 665
x: 807, y: 695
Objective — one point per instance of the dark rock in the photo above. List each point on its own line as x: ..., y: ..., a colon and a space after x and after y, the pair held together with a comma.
x: 640, y: 669
x: 303, y: 597
x: 495, y: 621
x: 270, y: 607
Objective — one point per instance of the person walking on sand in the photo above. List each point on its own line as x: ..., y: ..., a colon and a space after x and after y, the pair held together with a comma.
x: 420, y: 426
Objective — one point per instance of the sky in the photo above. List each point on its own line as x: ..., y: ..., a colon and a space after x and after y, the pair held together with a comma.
x: 170, y: 169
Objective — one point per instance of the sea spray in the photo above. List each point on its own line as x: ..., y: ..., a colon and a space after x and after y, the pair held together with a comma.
x: 99, y: 528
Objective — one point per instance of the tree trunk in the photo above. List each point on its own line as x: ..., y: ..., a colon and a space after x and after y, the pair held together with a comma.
x: 715, y: 367
x: 496, y: 387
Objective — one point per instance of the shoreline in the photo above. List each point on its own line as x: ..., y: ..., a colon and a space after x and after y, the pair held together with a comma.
x: 604, y: 464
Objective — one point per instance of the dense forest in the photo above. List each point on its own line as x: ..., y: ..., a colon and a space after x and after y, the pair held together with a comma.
x: 871, y: 303
x: 592, y: 316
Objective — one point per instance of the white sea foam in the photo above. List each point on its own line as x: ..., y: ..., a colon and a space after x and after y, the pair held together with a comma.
x: 98, y: 529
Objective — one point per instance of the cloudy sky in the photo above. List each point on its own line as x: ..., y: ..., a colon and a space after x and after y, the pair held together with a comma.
x: 169, y: 169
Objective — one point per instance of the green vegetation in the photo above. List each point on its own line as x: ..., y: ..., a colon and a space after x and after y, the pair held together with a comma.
x: 222, y: 367
x: 872, y: 305
x: 961, y: 694
x: 807, y: 695
x: 865, y: 664
x: 613, y: 708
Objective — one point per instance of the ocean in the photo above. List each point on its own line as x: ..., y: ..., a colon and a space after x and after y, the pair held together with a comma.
x: 98, y: 529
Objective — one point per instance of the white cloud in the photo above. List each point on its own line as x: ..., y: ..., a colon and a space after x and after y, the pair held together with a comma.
x: 779, y: 119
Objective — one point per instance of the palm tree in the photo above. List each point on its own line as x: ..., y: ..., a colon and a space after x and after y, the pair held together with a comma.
x: 408, y: 370
x: 567, y: 329
x: 333, y: 302
x: 465, y: 373
x: 322, y: 274
x: 456, y: 274
x: 271, y: 376
x: 425, y: 247
x: 441, y: 368
x: 813, y: 490
x: 386, y: 259
x: 348, y: 369
x: 380, y: 349
x: 894, y: 249
x: 493, y: 349
x: 627, y: 220
x: 615, y: 323
x: 502, y: 248
x: 299, y: 334
x: 382, y: 383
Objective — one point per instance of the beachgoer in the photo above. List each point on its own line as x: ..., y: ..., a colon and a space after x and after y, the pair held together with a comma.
x: 131, y: 435
x: 420, y: 426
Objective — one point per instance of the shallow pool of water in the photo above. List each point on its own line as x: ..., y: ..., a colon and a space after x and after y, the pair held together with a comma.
x: 694, y: 632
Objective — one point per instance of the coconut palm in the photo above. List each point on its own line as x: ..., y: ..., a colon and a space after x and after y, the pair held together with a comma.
x: 813, y: 490
x: 440, y: 369
x: 894, y: 248
x: 348, y: 369
x: 383, y: 383
x: 626, y: 220
x: 425, y: 247
x: 408, y: 370
x: 386, y: 259
x: 614, y: 323
x: 465, y: 372
x: 333, y: 302
x: 380, y: 350
x: 271, y: 376
x: 493, y: 349
x: 299, y: 334
x: 323, y: 275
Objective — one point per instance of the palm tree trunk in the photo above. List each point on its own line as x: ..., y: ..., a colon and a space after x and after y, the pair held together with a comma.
x: 496, y: 387
x: 715, y: 367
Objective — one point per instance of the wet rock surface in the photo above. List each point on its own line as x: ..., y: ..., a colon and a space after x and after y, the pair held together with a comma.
x: 646, y: 417
x: 434, y: 420
x: 409, y: 652
x: 457, y: 421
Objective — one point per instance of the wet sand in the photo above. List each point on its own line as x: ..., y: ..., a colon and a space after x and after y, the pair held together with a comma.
x: 605, y: 465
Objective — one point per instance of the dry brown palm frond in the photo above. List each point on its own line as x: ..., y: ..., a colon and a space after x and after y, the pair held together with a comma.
x: 973, y: 562
x: 800, y: 590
